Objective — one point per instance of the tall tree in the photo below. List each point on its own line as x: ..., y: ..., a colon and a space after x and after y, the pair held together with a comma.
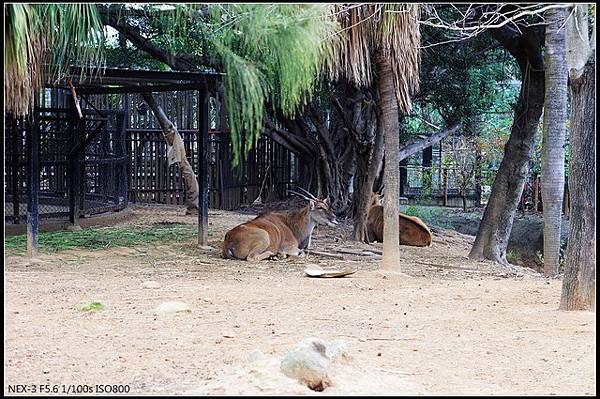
x: 382, y: 40
x: 553, y: 140
x: 525, y: 45
x: 391, y: 171
x: 579, y: 281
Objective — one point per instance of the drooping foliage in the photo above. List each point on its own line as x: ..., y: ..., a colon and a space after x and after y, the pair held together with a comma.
x: 56, y: 34
x: 270, y: 54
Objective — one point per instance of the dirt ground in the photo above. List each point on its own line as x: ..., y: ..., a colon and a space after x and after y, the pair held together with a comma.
x: 445, y: 325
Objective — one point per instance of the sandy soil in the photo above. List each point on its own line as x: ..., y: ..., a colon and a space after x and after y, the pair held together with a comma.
x: 445, y: 325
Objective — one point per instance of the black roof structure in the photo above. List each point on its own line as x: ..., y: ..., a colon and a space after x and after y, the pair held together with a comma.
x: 119, y: 80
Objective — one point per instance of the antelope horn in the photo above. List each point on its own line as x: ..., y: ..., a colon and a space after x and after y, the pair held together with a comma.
x: 307, y: 193
x: 300, y: 195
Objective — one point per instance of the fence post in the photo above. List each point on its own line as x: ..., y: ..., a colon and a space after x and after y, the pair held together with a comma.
x: 74, y: 168
x: 203, y: 121
x: 33, y: 184
x: 445, y: 174
x: 15, y: 169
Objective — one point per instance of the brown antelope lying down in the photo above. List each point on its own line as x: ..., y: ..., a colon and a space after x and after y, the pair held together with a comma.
x: 412, y: 229
x: 278, y: 233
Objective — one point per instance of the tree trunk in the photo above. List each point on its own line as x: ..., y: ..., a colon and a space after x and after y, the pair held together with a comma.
x: 494, y: 231
x: 536, y: 191
x: 364, y: 194
x: 553, y: 154
x: 579, y: 281
x: 177, y: 154
x: 391, y: 173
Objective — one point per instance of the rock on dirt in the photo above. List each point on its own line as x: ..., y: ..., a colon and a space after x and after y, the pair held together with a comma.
x: 172, y: 308
x: 310, y: 360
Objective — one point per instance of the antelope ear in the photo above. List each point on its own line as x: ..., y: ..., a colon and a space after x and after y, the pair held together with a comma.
x: 312, y: 204
x: 326, y: 200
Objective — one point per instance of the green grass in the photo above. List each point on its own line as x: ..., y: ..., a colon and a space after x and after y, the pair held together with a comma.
x: 92, y: 307
x: 103, y: 237
x: 432, y: 216
x: 513, y: 257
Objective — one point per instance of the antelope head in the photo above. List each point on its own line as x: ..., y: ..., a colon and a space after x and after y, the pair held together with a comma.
x: 376, y: 199
x: 319, y: 209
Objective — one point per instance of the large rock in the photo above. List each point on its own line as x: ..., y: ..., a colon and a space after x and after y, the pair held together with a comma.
x: 310, y: 360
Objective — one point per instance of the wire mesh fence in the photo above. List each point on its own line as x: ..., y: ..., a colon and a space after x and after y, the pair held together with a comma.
x: 102, y: 164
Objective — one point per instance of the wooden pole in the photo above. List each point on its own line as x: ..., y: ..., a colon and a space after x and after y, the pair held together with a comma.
x: 33, y: 185
x: 203, y: 122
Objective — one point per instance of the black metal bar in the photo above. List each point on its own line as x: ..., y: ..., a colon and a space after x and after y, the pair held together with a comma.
x: 143, y: 89
x: 112, y: 74
x: 74, y: 170
x: 15, y: 169
x: 203, y: 123
x: 33, y: 186
x: 81, y: 146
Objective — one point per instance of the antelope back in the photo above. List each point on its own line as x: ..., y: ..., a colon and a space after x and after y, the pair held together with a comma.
x: 413, y: 231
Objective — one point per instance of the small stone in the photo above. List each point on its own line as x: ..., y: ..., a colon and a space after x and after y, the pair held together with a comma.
x: 46, y: 371
x: 172, y: 308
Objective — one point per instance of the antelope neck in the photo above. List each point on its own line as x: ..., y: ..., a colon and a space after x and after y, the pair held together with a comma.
x: 302, y: 223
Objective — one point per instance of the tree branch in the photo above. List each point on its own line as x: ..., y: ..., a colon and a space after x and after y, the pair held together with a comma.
x: 413, y: 148
x: 182, y: 62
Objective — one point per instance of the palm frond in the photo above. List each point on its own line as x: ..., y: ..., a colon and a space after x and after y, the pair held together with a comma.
x: 35, y: 34
x: 388, y: 28
x: 271, y: 53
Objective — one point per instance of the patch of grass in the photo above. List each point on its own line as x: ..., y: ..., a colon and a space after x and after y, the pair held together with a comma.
x: 103, y: 237
x: 430, y: 215
x: 92, y: 307
x: 513, y: 257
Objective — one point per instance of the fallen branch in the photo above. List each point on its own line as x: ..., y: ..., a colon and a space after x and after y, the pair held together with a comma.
x: 361, y: 253
x: 325, y: 254
x: 445, y: 266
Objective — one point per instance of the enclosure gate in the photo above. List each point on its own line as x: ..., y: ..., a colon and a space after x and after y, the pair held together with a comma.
x: 90, y: 151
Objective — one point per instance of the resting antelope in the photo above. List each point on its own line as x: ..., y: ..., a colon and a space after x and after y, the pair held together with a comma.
x: 412, y: 229
x: 278, y: 233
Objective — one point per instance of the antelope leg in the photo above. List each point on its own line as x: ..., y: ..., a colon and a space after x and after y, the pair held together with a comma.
x: 252, y: 257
